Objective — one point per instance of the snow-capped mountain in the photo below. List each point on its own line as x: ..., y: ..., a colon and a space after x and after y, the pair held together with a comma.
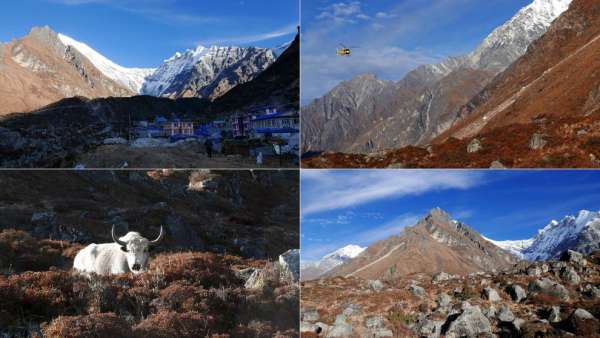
x: 207, y: 72
x: 580, y: 233
x: 514, y: 247
x: 313, y: 270
x: 509, y: 41
x: 130, y: 78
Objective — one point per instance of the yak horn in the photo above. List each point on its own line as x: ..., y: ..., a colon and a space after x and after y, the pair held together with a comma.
x: 160, y: 236
x: 121, y: 243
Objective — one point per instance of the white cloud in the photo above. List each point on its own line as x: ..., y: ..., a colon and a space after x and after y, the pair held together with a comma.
x: 343, y: 12
x: 384, y: 15
x: 283, y: 31
x: 340, y: 190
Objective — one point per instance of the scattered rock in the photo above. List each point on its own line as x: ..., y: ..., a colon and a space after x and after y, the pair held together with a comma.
x: 376, y: 285
x: 549, y: 287
x: 573, y: 257
x: 537, y: 141
x: 491, y: 295
x: 375, y: 322
x: 340, y: 328
x: 516, y: 292
x: 554, y: 316
x: 583, y: 323
x: 440, y: 277
x: 474, y: 146
x: 417, y: 291
x: 311, y: 315
x: 429, y: 328
x: 444, y: 300
x: 534, y: 271
x: 290, y: 262
x: 505, y: 315
x: 497, y: 165
x: 351, y: 310
x: 569, y: 275
x: 470, y: 323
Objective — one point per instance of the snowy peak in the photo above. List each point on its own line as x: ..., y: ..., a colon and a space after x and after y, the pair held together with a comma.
x: 207, y: 71
x: 130, y: 78
x: 340, y: 256
x: 579, y: 233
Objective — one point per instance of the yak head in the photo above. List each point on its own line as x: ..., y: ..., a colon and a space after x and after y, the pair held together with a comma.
x: 136, y: 248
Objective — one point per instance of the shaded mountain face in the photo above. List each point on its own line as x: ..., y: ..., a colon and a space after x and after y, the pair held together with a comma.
x: 207, y: 72
x: 39, y: 69
x: 435, y: 244
x: 426, y: 101
x: 556, y: 78
x: 314, y: 270
x: 277, y: 86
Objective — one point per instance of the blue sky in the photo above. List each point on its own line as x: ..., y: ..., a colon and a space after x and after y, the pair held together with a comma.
x: 142, y: 33
x: 392, y: 36
x: 362, y: 206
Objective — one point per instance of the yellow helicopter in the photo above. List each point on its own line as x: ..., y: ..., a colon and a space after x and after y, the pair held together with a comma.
x: 344, y: 51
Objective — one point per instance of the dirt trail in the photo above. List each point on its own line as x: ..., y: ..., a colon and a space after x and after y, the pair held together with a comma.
x: 376, y: 261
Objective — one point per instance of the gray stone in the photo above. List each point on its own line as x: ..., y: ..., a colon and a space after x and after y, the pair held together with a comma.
x: 444, y: 300
x: 428, y: 328
x: 549, y: 287
x: 491, y: 295
x: 537, y: 141
x: 440, y: 277
x: 311, y: 315
x: 583, y: 323
x: 554, y: 316
x: 351, y: 310
x: 382, y: 333
x: 569, y: 275
x: 573, y: 257
x: 290, y: 262
x: 474, y: 146
x: 516, y: 292
x: 504, y: 314
x: 470, y: 323
x: 375, y: 322
x: 417, y: 291
x: 376, y: 285
x: 307, y: 327
x: 497, y: 165
x: 340, y: 329
x: 534, y: 271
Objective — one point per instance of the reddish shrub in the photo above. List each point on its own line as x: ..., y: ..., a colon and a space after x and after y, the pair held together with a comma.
x: 203, y: 269
x: 173, y: 324
x: 94, y: 325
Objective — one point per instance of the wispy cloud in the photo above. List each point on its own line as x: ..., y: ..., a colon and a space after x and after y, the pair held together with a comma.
x: 315, y: 248
x: 282, y: 31
x: 333, y: 190
x: 156, y: 10
x: 343, y: 13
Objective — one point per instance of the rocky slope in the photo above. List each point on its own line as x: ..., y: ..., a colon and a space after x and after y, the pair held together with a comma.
x: 436, y: 243
x: 425, y: 103
x: 39, y: 69
x: 559, y: 298
x: 555, y: 79
x: 207, y: 72
x: 313, y: 270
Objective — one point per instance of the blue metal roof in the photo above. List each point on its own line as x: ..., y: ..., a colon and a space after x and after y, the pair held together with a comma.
x: 276, y: 130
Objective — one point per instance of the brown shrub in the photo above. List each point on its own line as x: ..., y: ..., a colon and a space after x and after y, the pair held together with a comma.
x: 205, y: 269
x: 173, y: 324
x: 94, y: 325
x: 22, y: 252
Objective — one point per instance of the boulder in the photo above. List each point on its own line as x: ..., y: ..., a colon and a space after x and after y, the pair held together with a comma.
x: 416, y: 291
x: 491, y: 294
x: 351, y: 310
x: 504, y: 314
x: 554, y: 316
x: 429, y: 328
x: 375, y: 285
x: 583, y: 323
x: 497, y: 165
x: 340, y: 329
x: 290, y: 263
x: 549, y: 287
x: 569, y: 275
x: 306, y: 327
x: 374, y: 322
x: 573, y: 257
x: 443, y: 300
x: 534, y: 271
x: 516, y: 292
x: 310, y: 315
x: 471, y: 323
x: 440, y: 277
x: 474, y: 146
x: 537, y: 141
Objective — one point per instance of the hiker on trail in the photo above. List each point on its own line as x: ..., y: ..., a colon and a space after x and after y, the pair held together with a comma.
x: 208, y: 145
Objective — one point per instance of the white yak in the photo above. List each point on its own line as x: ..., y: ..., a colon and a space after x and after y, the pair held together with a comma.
x: 129, y: 253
